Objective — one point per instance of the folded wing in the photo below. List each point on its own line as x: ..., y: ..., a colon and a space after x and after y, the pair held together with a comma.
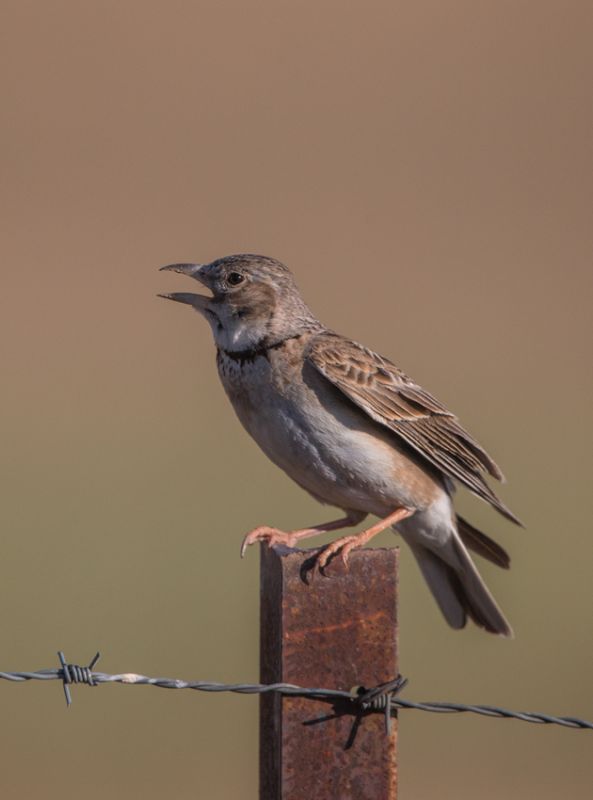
x: 392, y: 399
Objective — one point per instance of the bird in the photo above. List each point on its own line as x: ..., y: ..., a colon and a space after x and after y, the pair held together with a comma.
x: 351, y: 429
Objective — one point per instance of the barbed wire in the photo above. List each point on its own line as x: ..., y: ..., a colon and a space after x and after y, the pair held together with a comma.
x: 383, y: 698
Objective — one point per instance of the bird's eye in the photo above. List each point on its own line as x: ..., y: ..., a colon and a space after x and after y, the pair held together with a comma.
x: 235, y: 278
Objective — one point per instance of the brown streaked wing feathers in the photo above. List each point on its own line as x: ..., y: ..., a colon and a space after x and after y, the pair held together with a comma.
x: 389, y: 397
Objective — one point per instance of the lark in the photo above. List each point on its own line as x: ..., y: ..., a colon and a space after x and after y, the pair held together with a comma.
x: 350, y: 428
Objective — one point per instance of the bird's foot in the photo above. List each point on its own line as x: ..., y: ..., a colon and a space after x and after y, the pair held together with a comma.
x: 270, y: 536
x: 340, y: 547
x: 344, y: 546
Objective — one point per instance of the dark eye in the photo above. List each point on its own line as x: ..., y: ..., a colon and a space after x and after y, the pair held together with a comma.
x: 235, y: 278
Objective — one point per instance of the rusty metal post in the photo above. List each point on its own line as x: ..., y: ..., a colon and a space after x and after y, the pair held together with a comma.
x: 332, y: 632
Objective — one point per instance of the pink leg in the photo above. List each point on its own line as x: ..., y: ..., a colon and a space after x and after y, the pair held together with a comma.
x: 345, y: 544
x: 275, y: 536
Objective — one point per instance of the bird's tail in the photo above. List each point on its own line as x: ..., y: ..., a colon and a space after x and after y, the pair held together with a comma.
x: 481, y: 544
x: 457, y: 585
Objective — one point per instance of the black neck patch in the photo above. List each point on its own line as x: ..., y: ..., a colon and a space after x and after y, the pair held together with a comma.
x: 246, y: 356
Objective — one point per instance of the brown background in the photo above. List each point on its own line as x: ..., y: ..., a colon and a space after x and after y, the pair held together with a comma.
x: 425, y: 168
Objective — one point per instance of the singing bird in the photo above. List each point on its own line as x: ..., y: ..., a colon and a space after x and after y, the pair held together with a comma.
x: 350, y: 428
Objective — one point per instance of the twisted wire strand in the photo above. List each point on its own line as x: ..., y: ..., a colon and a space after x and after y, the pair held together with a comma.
x: 381, y: 699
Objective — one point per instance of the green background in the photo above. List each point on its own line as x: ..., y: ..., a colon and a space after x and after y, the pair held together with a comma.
x: 425, y: 169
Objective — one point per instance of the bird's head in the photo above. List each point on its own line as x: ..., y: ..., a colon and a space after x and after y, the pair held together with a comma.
x: 254, y: 300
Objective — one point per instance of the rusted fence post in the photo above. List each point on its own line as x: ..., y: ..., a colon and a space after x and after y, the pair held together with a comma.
x: 332, y: 632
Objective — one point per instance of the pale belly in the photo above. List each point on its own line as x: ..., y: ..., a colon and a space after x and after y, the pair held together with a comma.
x: 324, y: 444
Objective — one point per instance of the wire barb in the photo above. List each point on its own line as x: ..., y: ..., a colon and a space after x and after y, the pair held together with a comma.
x: 72, y: 673
x: 380, y: 698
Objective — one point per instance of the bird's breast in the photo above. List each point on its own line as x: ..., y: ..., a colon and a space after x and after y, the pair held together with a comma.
x: 327, y: 445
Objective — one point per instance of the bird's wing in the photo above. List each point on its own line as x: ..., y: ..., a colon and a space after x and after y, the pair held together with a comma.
x: 392, y: 399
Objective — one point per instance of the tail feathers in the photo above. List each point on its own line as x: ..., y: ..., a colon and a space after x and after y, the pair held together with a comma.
x: 482, y: 545
x: 459, y: 590
x: 444, y: 585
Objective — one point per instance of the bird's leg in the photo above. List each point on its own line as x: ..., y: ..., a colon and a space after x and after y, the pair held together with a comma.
x: 289, y: 538
x: 345, y: 544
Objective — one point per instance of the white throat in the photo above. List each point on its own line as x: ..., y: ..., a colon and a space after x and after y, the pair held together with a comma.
x: 238, y: 335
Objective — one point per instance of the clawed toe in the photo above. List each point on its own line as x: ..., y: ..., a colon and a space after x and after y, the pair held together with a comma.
x: 261, y: 534
x: 341, y: 548
x: 271, y: 536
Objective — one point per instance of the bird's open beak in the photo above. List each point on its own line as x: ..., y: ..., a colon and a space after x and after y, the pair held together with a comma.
x: 198, y: 301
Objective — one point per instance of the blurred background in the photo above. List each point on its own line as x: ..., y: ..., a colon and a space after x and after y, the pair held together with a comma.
x: 425, y: 169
